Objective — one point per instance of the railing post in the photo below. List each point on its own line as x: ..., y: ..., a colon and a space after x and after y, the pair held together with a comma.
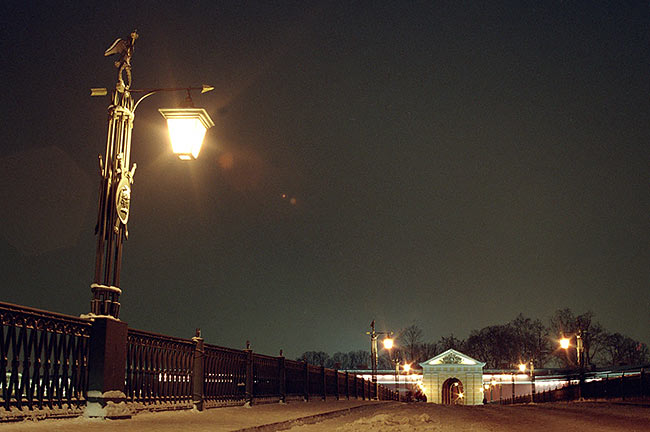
x: 324, y: 381
x: 282, y: 378
x: 306, y: 381
x: 107, y: 369
x: 356, y: 387
x: 623, y: 386
x: 642, y: 383
x: 336, y: 376
x: 249, y: 374
x: 198, y: 371
x: 347, y: 385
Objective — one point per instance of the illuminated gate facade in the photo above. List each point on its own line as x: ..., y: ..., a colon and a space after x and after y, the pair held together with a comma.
x: 453, y: 378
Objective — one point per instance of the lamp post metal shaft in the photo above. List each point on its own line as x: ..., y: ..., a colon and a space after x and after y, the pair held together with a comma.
x: 374, y: 356
x: 532, y: 381
x: 115, y: 187
x: 373, y: 353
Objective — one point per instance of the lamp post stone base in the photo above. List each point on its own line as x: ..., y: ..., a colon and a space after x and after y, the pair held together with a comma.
x: 107, y: 369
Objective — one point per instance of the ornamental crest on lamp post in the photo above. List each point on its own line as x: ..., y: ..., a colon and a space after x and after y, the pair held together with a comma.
x: 123, y: 191
x: 123, y: 199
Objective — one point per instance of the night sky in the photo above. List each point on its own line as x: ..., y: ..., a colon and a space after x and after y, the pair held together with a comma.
x: 449, y: 164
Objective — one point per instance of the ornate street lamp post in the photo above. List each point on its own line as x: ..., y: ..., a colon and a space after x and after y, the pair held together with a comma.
x: 373, y: 351
x: 117, y: 173
x: 580, y: 354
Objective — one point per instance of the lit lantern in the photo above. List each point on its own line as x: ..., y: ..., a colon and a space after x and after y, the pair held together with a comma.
x: 187, y: 128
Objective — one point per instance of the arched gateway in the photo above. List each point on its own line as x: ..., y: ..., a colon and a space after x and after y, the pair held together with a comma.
x: 453, y: 378
x: 452, y: 392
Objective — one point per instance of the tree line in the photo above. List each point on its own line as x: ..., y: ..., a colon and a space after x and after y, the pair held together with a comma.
x: 504, y: 346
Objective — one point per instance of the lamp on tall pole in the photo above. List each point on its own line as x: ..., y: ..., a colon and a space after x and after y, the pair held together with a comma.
x: 374, y: 357
x: 580, y: 351
x: 522, y: 369
x: 580, y: 357
x: 187, y: 126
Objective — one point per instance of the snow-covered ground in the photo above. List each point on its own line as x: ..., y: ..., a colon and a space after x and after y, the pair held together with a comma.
x: 373, y: 416
x: 591, y: 417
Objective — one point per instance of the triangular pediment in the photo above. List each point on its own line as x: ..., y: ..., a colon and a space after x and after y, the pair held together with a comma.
x: 452, y: 357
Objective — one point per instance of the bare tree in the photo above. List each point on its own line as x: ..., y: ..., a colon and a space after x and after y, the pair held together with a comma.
x: 564, y: 323
x: 318, y: 358
x: 359, y: 359
x: 341, y: 360
x: 531, y: 339
x: 410, y: 340
x: 623, y: 350
x: 450, y: 342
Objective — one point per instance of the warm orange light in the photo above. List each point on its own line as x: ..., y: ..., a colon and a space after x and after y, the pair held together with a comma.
x: 406, y: 367
x: 187, y: 128
x: 388, y: 343
x: 522, y: 367
x: 564, y: 343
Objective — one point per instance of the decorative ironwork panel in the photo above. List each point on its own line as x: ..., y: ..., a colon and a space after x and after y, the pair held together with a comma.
x: 331, y: 381
x: 359, y: 387
x: 224, y: 374
x: 266, y: 376
x: 44, y: 361
x: 340, y: 378
x: 295, y: 375
x: 315, y: 380
x: 352, y: 385
x: 158, y: 368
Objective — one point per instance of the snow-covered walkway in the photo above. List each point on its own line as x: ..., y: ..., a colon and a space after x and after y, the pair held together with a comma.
x: 216, y: 419
x: 352, y: 416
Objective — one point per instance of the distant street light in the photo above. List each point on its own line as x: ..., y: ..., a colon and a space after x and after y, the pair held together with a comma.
x: 187, y: 128
x: 406, y: 367
x: 389, y: 344
x: 564, y: 343
x: 373, y: 351
x: 580, y: 354
x: 522, y: 369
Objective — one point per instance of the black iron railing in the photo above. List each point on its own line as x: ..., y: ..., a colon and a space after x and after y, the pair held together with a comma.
x: 266, y: 376
x: 44, y: 360
x: 224, y: 376
x: 50, y: 360
x: 158, y: 369
x: 296, y: 379
x: 633, y: 384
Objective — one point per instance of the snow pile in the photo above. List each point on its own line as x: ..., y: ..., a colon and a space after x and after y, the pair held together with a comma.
x: 391, y: 423
x: 100, y: 405
x: 15, y: 414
